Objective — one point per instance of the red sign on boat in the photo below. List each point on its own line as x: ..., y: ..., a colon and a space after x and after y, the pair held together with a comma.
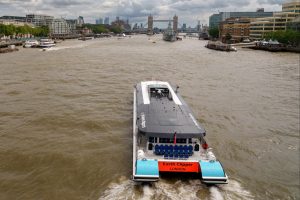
x: 178, y: 166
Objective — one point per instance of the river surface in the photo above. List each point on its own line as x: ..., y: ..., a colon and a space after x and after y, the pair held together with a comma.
x: 66, y: 119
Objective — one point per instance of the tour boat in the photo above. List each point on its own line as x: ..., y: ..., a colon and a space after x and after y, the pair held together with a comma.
x: 168, y: 138
x: 31, y: 43
x: 46, y: 43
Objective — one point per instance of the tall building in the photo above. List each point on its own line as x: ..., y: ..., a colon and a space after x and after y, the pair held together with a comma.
x: 80, y: 21
x: 198, y: 27
x: 106, y: 20
x: 215, y: 19
x: 99, y: 21
x: 39, y: 20
x: 279, y: 21
x: 183, y: 28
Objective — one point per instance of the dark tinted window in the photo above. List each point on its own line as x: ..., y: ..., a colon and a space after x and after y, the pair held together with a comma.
x: 151, y: 139
x: 171, y: 140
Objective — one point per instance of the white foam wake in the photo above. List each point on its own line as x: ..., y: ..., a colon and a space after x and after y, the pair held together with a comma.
x: 147, y: 192
x: 56, y: 48
x: 180, y: 190
x: 215, y: 193
x: 234, y: 190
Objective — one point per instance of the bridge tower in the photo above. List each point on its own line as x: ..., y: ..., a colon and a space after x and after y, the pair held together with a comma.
x: 150, y: 25
x: 175, y: 23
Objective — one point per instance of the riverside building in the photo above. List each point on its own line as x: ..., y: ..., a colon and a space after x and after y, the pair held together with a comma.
x: 215, y: 19
x: 39, y: 20
x: 279, y: 21
x: 13, y: 18
x: 237, y: 28
x: 59, y: 27
x: 14, y: 22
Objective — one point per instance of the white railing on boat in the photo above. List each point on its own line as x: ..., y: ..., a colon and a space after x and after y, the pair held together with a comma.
x: 134, y: 135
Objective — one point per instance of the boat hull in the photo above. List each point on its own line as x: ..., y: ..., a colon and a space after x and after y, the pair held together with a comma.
x: 169, y: 38
x: 139, y: 172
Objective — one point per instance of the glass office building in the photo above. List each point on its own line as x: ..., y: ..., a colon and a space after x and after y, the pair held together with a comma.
x: 215, y: 19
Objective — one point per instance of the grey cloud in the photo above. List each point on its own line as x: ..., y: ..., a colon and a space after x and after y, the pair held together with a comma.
x: 135, y: 10
x: 270, y: 1
x: 65, y: 3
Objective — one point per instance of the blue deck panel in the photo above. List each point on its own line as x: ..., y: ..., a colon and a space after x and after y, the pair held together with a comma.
x: 147, y: 167
x: 212, y: 169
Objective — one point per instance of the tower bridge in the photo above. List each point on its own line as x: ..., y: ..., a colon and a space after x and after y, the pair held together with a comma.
x: 149, y: 26
x: 151, y: 21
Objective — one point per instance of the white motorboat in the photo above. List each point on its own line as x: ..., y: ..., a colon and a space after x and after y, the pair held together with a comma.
x: 31, y: 43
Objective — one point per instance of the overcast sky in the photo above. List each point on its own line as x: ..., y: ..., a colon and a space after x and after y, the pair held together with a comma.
x: 189, y: 11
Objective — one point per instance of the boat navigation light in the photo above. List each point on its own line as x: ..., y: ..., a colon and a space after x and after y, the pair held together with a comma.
x: 205, y: 145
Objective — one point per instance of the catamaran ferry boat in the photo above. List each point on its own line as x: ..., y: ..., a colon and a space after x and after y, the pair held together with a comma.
x: 168, y: 138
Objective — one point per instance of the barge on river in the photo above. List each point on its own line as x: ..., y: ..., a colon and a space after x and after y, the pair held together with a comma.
x: 168, y: 138
x: 219, y: 46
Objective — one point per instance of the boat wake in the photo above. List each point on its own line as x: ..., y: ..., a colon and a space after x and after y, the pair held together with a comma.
x: 163, y: 189
x: 64, y: 47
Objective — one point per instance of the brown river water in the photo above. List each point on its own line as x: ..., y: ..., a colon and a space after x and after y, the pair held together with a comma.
x: 66, y: 119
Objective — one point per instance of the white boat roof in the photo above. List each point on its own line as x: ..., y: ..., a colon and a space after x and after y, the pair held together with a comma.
x: 162, y: 116
x: 145, y: 92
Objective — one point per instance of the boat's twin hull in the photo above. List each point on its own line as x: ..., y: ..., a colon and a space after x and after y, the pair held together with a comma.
x: 209, y: 172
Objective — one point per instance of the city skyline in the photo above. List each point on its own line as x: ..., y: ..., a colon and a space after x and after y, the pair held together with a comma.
x: 136, y: 11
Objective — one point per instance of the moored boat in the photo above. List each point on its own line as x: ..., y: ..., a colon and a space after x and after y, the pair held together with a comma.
x: 85, y: 38
x: 169, y: 34
x: 220, y: 46
x: 31, y: 43
x: 168, y: 138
